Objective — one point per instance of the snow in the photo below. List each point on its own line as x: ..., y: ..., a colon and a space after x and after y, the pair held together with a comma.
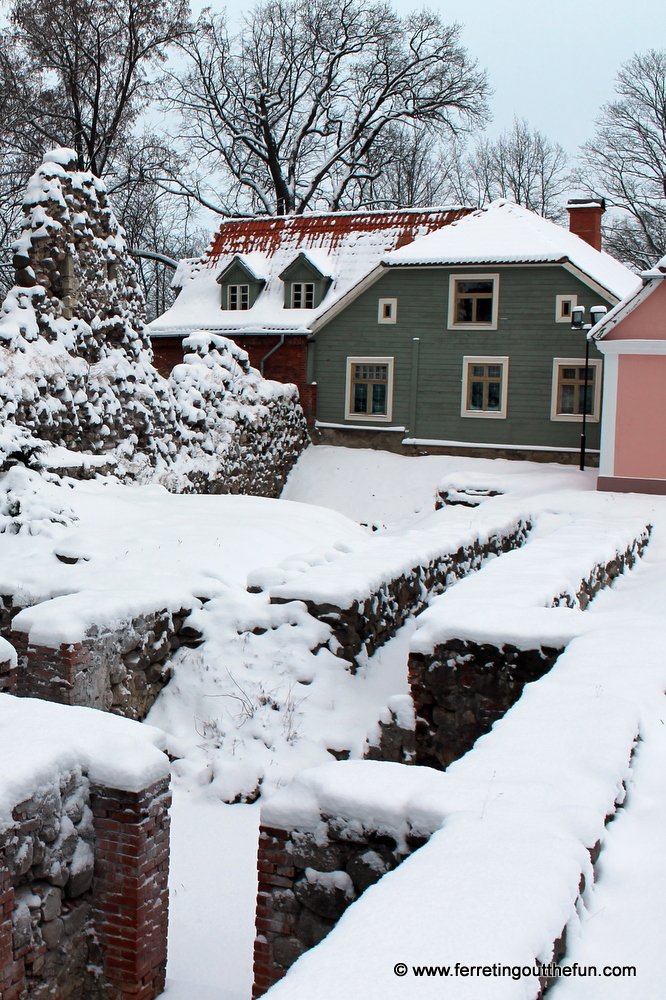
x: 504, y: 233
x: 40, y: 740
x: 140, y: 549
x: 249, y: 711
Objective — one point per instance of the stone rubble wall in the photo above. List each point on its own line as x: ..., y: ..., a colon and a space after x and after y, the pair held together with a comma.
x: 66, y: 846
x: 76, y: 368
x: 462, y: 688
x: 359, y: 630
x: 119, y: 670
x: 305, y: 885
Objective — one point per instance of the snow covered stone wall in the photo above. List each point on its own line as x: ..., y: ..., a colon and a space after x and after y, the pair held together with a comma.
x: 76, y: 374
x: 121, y: 669
x: 319, y: 850
x: 475, y: 650
x: 368, y: 597
x: 84, y: 839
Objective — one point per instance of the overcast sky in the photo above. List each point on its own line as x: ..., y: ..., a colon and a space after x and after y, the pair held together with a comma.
x: 551, y: 61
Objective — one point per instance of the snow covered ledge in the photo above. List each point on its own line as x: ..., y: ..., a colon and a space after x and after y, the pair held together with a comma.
x: 519, y: 822
x: 84, y: 847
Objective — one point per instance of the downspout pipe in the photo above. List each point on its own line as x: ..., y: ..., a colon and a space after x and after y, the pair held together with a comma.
x: 272, y: 351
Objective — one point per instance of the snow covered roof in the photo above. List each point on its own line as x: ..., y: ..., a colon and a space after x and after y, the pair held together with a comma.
x: 345, y: 246
x: 650, y: 281
x: 504, y: 233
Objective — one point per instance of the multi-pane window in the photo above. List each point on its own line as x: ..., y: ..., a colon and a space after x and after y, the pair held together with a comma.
x: 484, y: 390
x: 303, y: 295
x: 473, y: 301
x: 569, y: 397
x: 573, y: 395
x: 238, y: 296
x: 369, y: 388
x: 485, y: 387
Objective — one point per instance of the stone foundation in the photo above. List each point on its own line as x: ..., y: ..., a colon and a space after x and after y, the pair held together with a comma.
x: 358, y: 631
x: 64, y: 934
x: 306, y: 884
x: 119, y: 670
x: 461, y: 688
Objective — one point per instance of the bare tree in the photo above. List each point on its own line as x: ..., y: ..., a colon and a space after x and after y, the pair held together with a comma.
x: 521, y: 165
x: 404, y: 168
x: 289, y: 110
x: 626, y: 161
x: 90, y: 65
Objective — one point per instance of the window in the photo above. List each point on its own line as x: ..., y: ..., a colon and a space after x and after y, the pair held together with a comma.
x: 238, y: 296
x: 303, y: 295
x: 369, y: 388
x: 568, y: 396
x: 485, y: 387
x: 387, y: 311
x: 563, y: 306
x: 473, y: 301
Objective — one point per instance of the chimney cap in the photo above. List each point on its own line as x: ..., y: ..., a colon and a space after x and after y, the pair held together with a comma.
x: 574, y: 203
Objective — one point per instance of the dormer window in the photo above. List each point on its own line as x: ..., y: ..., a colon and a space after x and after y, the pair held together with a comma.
x: 302, y: 295
x: 239, y: 285
x: 304, y: 284
x: 238, y: 296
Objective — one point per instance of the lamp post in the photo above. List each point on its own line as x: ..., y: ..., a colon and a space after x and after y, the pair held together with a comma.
x: 578, y: 323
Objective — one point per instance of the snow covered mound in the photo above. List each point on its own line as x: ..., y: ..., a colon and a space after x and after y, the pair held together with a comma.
x: 76, y: 365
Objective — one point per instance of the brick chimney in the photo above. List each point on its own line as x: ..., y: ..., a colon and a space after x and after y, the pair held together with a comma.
x: 585, y: 219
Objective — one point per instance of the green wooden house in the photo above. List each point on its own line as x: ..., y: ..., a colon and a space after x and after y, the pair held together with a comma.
x: 461, y: 340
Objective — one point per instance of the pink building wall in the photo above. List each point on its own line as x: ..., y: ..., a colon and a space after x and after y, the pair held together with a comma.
x: 647, y: 321
x: 640, y: 429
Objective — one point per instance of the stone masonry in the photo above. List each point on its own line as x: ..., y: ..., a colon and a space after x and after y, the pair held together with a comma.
x: 306, y: 884
x: 120, y: 670
x: 462, y: 687
x: 359, y: 630
x: 83, y: 894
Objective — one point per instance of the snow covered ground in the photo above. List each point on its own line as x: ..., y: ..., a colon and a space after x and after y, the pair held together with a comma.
x: 220, y: 708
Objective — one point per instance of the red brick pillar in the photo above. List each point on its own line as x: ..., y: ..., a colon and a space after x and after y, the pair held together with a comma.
x: 130, y: 889
x: 12, y: 973
x: 275, y: 869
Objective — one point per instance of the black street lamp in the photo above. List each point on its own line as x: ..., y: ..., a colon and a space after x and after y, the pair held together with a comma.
x: 578, y: 323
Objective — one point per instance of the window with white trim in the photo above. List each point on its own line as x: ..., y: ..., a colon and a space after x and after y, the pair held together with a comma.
x: 473, y: 301
x: 387, y: 311
x: 302, y: 295
x: 484, y: 387
x: 568, y: 393
x: 369, y: 389
x: 238, y: 296
x: 563, y: 307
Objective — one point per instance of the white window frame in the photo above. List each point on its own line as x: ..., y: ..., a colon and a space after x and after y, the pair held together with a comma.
x: 393, y: 316
x: 453, y: 278
x: 303, y: 285
x: 559, y: 299
x: 372, y: 417
x: 577, y: 418
x: 239, y: 292
x: 485, y: 414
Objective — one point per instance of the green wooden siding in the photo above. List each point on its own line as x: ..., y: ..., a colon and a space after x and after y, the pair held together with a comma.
x: 527, y: 334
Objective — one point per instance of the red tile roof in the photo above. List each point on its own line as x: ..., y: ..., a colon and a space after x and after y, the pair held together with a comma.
x: 266, y: 234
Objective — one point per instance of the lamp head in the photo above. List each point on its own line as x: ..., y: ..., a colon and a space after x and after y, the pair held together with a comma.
x: 597, y: 313
x: 577, y: 317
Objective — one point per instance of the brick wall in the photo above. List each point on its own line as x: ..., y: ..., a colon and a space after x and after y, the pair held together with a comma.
x: 131, y: 894
x: 64, y: 934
